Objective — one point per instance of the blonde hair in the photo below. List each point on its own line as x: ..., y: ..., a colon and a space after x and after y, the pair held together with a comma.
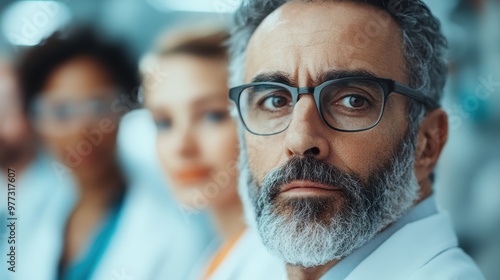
x: 206, y: 40
x: 203, y: 40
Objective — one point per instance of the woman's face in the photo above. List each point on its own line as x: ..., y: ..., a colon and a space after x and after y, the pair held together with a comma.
x: 197, y: 139
x: 75, y: 117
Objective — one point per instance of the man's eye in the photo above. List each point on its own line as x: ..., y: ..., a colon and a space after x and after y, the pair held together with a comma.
x: 353, y: 101
x: 274, y: 102
x: 163, y: 124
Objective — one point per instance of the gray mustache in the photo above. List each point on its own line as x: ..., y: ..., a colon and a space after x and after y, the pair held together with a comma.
x: 309, y: 169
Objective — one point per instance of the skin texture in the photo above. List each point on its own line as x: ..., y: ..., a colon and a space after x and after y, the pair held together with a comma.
x: 303, y: 41
x: 197, y: 140
x: 97, y: 175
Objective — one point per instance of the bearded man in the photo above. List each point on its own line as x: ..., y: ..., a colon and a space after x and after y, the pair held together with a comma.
x: 340, y: 104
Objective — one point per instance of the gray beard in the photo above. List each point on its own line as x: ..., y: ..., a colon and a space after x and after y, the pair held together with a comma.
x: 312, y: 231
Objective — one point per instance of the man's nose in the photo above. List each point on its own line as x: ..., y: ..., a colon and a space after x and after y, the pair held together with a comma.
x: 306, y: 134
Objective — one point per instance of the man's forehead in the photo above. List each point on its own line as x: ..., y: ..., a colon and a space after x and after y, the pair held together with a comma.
x: 318, y: 15
x: 322, y: 36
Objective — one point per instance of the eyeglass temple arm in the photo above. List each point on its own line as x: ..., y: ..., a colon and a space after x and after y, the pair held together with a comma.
x: 415, y: 94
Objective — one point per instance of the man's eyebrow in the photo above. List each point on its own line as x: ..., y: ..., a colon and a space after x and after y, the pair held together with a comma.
x: 284, y: 78
x: 277, y: 77
x: 339, y: 74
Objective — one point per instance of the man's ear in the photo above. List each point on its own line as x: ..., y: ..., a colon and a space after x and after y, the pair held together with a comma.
x: 432, y: 137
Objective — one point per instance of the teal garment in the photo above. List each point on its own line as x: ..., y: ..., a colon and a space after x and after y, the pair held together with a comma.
x: 83, y: 267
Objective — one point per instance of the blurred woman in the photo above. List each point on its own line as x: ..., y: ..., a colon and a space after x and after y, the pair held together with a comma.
x: 77, y: 87
x: 185, y: 88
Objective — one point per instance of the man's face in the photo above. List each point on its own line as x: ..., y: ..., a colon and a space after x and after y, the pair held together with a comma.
x: 315, y: 189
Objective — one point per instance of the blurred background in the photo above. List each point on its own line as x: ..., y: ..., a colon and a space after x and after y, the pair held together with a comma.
x: 468, y: 175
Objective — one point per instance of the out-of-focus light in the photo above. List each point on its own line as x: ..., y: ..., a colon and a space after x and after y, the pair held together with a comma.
x: 206, y: 6
x: 29, y: 22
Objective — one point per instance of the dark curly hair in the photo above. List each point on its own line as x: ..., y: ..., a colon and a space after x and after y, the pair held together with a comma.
x: 37, y: 63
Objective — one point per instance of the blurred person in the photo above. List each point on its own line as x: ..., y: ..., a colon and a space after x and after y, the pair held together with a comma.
x: 31, y: 180
x: 103, y: 224
x: 342, y: 131
x: 17, y: 145
x: 197, y: 144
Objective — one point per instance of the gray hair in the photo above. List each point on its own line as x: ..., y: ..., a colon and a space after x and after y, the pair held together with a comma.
x: 424, y: 45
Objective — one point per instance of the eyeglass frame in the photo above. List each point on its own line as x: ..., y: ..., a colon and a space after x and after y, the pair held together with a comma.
x: 34, y: 106
x: 388, y: 86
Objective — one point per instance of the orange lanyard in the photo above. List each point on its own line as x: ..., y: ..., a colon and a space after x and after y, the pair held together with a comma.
x: 221, y: 255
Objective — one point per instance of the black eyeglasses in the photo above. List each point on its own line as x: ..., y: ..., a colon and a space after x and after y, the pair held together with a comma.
x: 348, y: 104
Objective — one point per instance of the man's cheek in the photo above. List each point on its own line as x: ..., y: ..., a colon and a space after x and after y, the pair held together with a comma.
x: 258, y: 156
x: 254, y: 161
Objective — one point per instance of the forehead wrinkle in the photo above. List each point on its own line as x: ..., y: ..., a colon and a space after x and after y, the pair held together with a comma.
x: 337, y: 36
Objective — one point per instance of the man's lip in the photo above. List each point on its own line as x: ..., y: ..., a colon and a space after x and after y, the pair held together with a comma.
x: 298, y: 185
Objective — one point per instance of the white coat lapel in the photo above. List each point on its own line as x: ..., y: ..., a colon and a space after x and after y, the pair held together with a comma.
x: 408, y: 249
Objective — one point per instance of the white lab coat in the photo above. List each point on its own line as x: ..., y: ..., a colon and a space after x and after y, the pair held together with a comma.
x: 42, y: 201
x: 426, y: 249
x: 151, y: 240
x: 250, y: 260
x: 33, y: 187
